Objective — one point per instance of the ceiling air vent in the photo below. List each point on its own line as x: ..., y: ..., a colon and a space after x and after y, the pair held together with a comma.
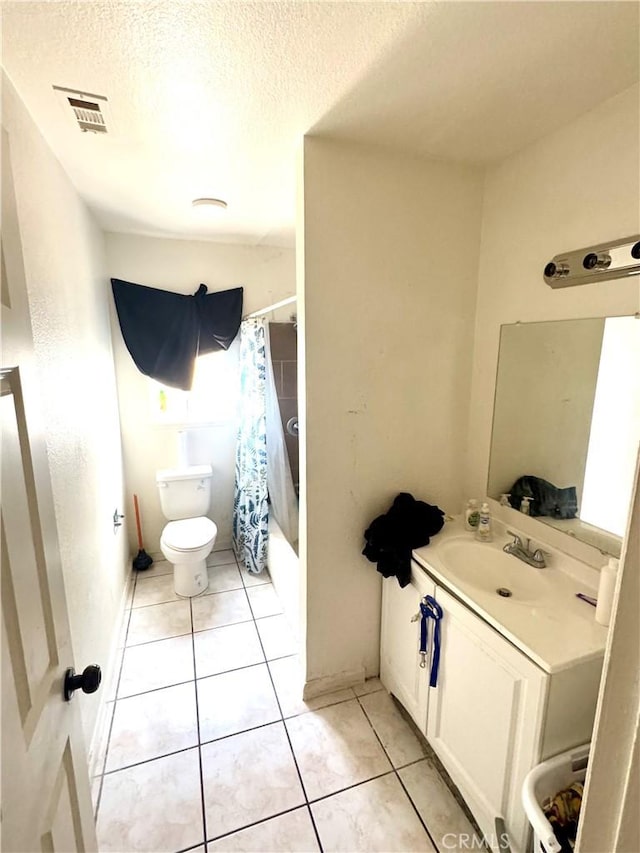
x: 88, y: 112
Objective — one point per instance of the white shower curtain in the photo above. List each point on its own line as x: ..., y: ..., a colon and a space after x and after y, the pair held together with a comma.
x: 284, y: 502
x: 250, y: 504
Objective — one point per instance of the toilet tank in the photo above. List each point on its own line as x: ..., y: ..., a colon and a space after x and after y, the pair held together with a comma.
x: 184, y: 492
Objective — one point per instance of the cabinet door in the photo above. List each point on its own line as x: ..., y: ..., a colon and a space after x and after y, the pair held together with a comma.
x: 400, y: 669
x: 485, y: 718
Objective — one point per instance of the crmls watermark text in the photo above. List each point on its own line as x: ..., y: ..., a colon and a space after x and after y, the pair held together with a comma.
x: 466, y: 841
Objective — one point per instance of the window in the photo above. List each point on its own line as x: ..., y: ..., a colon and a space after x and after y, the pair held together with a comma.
x: 213, y: 397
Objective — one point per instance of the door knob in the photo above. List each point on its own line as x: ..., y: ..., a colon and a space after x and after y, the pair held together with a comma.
x: 88, y: 681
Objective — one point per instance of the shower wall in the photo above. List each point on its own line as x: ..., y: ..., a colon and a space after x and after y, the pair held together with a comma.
x: 284, y: 355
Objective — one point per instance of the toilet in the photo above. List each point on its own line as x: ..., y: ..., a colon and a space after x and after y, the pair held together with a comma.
x: 189, y: 537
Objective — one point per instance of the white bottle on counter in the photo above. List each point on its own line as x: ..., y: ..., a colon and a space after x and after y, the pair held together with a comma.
x: 471, y: 515
x: 484, y: 532
x: 606, y: 590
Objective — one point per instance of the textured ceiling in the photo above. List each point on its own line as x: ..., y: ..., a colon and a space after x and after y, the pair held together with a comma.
x: 213, y: 98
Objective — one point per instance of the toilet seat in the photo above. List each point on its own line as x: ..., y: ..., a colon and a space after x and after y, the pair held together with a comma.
x: 189, y: 534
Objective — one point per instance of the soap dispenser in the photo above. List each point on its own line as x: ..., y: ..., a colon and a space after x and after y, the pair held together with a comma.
x: 484, y: 532
x: 525, y: 506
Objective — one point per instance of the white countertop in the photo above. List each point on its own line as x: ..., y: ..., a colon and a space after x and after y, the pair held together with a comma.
x: 555, y: 629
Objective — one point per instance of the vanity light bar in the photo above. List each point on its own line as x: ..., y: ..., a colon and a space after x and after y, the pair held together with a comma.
x: 616, y: 259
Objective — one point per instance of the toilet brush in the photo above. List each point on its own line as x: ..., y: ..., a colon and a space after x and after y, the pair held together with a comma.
x: 142, y: 559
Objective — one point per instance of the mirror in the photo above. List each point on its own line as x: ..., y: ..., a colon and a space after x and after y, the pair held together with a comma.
x: 567, y: 411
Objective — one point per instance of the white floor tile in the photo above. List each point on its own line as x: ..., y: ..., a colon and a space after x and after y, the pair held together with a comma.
x: 221, y: 608
x: 235, y: 701
x: 288, y: 682
x: 449, y: 826
x: 222, y: 649
x: 223, y: 578
x: 277, y: 637
x: 264, y: 601
x: 249, y: 772
x: 154, y: 590
x: 153, y: 724
x: 221, y: 558
x: 158, y: 664
x: 375, y: 817
x: 159, y: 622
x: 248, y: 777
x: 335, y: 748
x: 398, y: 739
x: 156, y: 806
x: 251, y: 579
x: 282, y: 834
x: 158, y: 567
x: 371, y: 685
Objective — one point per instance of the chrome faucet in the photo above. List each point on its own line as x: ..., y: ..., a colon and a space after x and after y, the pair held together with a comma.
x: 520, y: 549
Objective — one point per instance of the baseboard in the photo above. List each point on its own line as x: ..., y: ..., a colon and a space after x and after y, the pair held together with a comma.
x: 95, y: 758
x: 331, y: 683
x: 96, y: 752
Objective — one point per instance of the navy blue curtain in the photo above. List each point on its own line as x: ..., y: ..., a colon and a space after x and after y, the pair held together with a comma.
x: 165, y: 332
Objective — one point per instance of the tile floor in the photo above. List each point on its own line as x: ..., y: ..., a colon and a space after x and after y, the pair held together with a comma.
x: 212, y: 749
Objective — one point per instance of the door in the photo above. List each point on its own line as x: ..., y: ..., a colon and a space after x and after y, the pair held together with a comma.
x: 400, y: 669
x: 46, y: 802
x: 485, y: 717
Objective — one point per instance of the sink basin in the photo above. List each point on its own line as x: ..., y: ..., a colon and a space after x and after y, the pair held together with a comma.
x: 487, y: 568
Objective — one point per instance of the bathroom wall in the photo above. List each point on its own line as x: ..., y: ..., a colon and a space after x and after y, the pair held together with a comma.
x: 576, y: 187
x: 386, y: 308
x: 267, y: 275
x: 64, y: 265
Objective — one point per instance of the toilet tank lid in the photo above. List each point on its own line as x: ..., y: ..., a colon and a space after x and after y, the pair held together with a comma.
x: 191, y: 472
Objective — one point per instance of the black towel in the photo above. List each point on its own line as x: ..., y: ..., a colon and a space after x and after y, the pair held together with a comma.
x: 547, y: 499
x: 391, y: 537
x: 165, y: 332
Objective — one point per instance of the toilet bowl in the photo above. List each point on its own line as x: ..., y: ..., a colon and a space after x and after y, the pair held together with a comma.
x: 187, y: 544
x: 189, y: 537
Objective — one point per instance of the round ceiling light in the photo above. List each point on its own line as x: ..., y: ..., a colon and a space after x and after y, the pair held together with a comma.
x: 208, y: 202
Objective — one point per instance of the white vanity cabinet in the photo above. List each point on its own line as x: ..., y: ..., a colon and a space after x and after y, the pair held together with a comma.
x: 400, y: 670
x: 485, y: 717
x: 494, y: 713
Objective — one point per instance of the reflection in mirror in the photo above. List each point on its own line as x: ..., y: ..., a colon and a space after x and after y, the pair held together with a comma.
x: 567, y: 411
